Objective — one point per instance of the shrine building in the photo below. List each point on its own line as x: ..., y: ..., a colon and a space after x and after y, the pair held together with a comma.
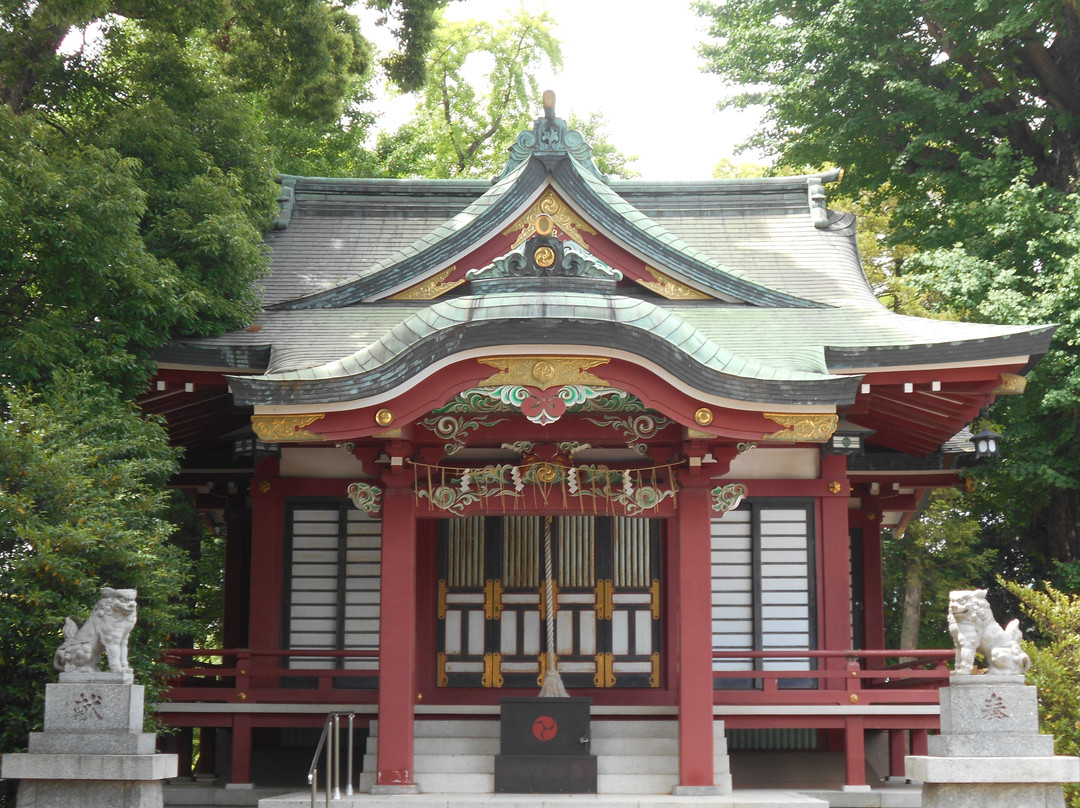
x: 683, y: 396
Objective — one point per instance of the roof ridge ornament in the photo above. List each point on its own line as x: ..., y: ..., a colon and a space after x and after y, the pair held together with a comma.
x: 546, y: 256
x: 550, y: 141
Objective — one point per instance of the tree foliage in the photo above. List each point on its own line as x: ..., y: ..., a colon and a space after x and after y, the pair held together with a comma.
x: 481, y: 92
x: 940, y: 551
x: 82, y: 505
x: 962, y: 121
x: 136, y: 179
x: 1055, y: 666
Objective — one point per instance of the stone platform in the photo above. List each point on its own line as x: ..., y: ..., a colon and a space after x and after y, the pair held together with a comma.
x: 92, y: 752
x: 990, y: 753
x: 763, y: 798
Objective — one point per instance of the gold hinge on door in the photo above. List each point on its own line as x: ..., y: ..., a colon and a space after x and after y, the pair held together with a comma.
x: 443, y: 589
x: 441, y: 678
x: 554, y: 599
x: 604, y: 597
x: 654, y: 677
x: 654, y: 594
x: 492, y: 670
x: 605, y: 670
x: 493, y: 599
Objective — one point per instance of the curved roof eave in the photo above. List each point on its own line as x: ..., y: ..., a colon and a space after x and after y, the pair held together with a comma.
x: 458, y: 325
x: 596, y: 201
x: 454, y: 237
x: 1030, y: 342
x: 608, y: 210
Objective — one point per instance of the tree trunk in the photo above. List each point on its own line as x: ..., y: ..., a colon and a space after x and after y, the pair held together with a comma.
x: 913, y: 589
x: 1061, y: 541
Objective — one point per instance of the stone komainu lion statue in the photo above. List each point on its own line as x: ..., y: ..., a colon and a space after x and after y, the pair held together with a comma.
x: 973, y: 629
x: 107, y: 630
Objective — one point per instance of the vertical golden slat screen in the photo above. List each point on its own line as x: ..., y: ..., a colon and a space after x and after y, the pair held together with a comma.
x: 521, y: 551
x: 577, y: 539
x: 465, y: 552
x: 632, y: 562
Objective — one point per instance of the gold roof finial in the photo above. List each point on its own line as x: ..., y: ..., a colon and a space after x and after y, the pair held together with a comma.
x: 549, y: 103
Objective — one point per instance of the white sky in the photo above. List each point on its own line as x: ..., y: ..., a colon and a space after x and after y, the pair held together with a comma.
x: 636, y: 62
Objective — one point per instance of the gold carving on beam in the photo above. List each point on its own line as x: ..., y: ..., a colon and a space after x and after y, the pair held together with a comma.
x: 559, y: 213
x: 543, y: 372
x: 666, y: 286
x: 802, y: 428
x: 285, y: 428
x: 431, y: 288
x: 1011, y: 385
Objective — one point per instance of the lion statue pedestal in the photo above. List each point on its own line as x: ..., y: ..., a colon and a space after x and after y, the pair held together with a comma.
x: 989, y: 753
x: 93, y: 752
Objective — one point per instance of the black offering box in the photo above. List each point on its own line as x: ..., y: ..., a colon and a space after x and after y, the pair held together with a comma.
x: 545, y: 747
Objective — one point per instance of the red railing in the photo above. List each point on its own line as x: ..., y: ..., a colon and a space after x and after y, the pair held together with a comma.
x: 833, y: 677
x: 826, y: 677
x: 242, y: 675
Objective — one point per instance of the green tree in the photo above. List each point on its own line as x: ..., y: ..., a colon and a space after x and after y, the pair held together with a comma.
x: 138, y: 170
x: 938, y: 552
x: 1055, y: 666
x: 481, y: 92
x: 462, y: 127
x: 82, y: 505
x: 967, y: 117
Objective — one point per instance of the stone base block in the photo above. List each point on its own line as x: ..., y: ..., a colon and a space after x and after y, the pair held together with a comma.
x: 93, y: 707
x: 987, y: 705
x: 97, y: 743
x: 26, y: 766
x: 964, y: 770
x: 392, y: 791
x: 952, y: 795
x: 1005, y: 744
x: 66, y: 794
x: 700, y: 791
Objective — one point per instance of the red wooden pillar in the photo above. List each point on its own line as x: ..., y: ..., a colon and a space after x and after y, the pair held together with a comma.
x: 264, y: 609
x: 836, y: 602
x: 397, y: 638
x: 873, y: 586
x: 835, y: 558
x: 897, y: 751
x: 693, y: 636
x: 267, y: 551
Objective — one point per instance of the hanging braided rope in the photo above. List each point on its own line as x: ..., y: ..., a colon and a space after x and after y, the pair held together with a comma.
x: 552, y: 687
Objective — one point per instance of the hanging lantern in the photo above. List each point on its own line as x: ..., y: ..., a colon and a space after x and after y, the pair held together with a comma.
x: 987, y: 445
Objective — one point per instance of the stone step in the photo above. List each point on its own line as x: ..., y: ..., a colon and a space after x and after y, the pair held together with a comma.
x: 738, y: 799
x: 461, y: 744
x: 633, y: 756
x: 637, y: 764
x: 635, y: 746
x: 451, y: 728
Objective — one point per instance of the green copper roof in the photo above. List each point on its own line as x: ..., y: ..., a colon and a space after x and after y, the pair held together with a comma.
x: 618, y: 323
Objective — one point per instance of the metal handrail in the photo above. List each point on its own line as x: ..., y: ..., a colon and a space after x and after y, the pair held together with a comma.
x: 331, y: 739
